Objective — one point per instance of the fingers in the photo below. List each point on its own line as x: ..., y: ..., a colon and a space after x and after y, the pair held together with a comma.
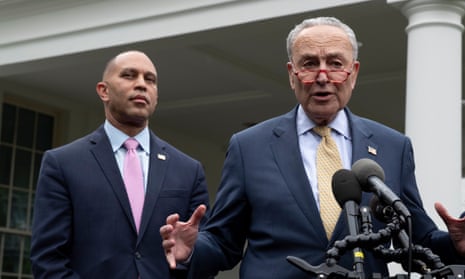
x: 197, y: 215
x: 171, y: 260
x: 172, y: 219
x: 168, y: 242
x: 445, y: 216
x: 168, y: 245
x: 174, y: 234
x: 165, y: 230
x: 441, y: 210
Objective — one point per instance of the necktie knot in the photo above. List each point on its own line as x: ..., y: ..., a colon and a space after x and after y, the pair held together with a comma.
x: 323, y: 131
x: 131, y: 144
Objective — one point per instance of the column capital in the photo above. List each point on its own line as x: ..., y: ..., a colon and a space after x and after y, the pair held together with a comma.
x: 432, y: 12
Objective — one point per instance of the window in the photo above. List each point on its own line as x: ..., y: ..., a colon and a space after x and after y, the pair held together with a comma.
x: 24, y: 136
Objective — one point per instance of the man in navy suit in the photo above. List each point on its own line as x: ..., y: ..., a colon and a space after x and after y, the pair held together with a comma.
x: 267, y: 206
x: 83, y: 225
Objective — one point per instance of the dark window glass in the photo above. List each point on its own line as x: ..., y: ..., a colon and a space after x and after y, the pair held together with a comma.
x: 3, y: 206
x: 25, y: 131
x: 22, y: 170
x: 24, y: 136
x: 44, y: 132
x: 37, y: 163
x: 11, y: 253
x: 26, y: 253
x: 19, y: 210
x: 5, y: 164
x: 8, y: 123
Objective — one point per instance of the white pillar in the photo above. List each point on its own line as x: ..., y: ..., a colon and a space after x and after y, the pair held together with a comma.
x: 433, y: 100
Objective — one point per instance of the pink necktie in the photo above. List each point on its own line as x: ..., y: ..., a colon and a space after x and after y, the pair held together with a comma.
x: 133, y: 179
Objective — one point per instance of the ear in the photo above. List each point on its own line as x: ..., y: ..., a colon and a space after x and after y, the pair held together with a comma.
x: 354, y: 74
x: 291, y: 74
x: 102, y: 90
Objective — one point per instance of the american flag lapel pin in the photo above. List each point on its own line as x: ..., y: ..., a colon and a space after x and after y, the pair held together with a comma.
x: 372, y: 150
x: 161, y: 156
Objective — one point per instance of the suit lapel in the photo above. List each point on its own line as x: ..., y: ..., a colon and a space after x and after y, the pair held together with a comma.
x: 104, y: 156
x: 285, y: 148
x: 362, y: 147
x: 158, y: 163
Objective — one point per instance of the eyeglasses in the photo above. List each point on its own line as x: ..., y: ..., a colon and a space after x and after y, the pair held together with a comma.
x: 335, y: 76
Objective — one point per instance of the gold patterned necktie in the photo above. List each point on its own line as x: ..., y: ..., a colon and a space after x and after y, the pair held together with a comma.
x: 328, y: 161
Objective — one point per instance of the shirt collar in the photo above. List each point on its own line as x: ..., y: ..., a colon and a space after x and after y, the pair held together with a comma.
x: 117, y: 137
x: 340, y: 124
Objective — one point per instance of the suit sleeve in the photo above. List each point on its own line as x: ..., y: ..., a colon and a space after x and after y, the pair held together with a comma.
x: 51, y: 228
x: 220, y: 244
x: 425, y: 232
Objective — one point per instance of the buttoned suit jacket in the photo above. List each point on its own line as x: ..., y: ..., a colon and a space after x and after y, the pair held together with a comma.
x: 265, y: 210
x: 83, y: 225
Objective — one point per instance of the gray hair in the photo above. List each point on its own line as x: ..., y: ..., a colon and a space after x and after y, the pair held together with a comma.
x: 321, y: 21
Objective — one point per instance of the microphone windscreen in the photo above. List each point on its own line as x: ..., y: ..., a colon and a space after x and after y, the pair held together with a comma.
x: 364, y: 168
x: 346, y: 187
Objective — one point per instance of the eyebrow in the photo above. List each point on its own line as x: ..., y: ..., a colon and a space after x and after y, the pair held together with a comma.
x: 328, y: 56
x: 135, y: 70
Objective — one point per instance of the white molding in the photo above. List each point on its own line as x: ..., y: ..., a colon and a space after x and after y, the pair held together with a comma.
x: 69, y: 29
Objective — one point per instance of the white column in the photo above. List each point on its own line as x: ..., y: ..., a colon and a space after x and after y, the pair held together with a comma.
x: 433, y: 100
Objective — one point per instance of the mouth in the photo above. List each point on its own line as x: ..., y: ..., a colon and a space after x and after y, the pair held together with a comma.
x: 140, y: 99
x: 322, y: 95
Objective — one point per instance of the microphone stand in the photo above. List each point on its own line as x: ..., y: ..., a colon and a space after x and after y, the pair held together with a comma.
x: 425, y: 262
x: 353, y: 213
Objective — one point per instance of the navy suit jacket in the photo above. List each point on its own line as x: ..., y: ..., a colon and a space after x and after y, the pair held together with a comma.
x: 265, y: 210
x: 83, y: 226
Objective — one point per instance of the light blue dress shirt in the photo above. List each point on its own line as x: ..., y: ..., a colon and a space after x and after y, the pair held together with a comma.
x: 309, y: 141
x: 117, y: 139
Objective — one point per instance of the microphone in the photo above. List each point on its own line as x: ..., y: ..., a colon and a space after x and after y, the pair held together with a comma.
x: 348, y: 194
x: 371, y: 178
x: 385, y: 214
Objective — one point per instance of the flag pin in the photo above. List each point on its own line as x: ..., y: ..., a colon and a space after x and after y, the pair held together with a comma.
x: 372, y: 150
x: 161, y: 156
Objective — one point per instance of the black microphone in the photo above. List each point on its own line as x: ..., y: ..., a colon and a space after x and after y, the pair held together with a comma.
x: 385, y: 214
x: 348, y: 194
x: 371, y: 178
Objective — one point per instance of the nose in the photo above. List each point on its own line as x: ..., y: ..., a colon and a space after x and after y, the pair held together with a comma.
x: 141, y: 83
x: 322, y: 76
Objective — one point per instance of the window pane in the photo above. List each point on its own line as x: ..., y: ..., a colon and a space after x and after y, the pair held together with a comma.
x: 26, y: 254
x: 5, y: 164
x: 19, y: 210
x: 3, y: 206
x: 22, y: 170
x: 25, y: 127
x: 11, y: 254
x: 37, y: 162
x: 31, y: 214
x: 44, y: 132
x: 24, y: 136
x: 8, y: 123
